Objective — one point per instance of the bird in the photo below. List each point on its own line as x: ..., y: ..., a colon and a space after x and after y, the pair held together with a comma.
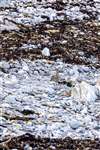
x: 84, y: 91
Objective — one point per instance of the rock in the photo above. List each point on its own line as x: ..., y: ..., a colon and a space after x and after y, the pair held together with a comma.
x: 11, y: 80
x: 4, y: 66
x: 84, y: 92
x: 51, y: 91
x: 36, y: 72
x: 52, y: 147
x: 97, y: 127
x: 27, y: 147
x: 5, y: 105
x: 5, y: 3
x: 25, y: 67
x: 75, y: 124
x: 46, y: 52
x: 3, y: 121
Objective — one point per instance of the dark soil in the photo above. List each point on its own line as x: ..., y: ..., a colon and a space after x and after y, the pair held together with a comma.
x: 51, y: 144
x: 72, y: 41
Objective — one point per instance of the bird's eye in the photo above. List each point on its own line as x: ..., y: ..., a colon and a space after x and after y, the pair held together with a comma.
x: 69, y: 84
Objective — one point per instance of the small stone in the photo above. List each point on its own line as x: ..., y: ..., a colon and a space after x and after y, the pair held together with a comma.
x: 2, y: 120
x: 25, y: 67
x: 46, y: 52
x: 5, y: 105
x: 27, y: 147
x: 99, y: 33
x: 52, y: 147
x: 36, y: 72
x: 11, y: 80
x: 51, y: 90
x: 75, y: 124
x: 97, y: 127
x: 4, y: 66
x: 5, y: 3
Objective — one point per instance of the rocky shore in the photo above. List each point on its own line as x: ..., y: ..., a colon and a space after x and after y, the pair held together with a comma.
x: 50, y: 75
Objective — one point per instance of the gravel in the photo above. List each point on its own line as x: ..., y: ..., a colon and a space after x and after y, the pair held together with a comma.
x: 47, y: 97
x: 34, y: 12
x: 33, y: 101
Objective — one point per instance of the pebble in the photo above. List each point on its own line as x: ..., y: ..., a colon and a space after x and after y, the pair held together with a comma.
x: 46, y: 52
x: 25, y: 67
x: 5, y: 3
x: 4, y: 66
x: 52, y: 147
x: 75, y: 124
x: 27, y: 147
